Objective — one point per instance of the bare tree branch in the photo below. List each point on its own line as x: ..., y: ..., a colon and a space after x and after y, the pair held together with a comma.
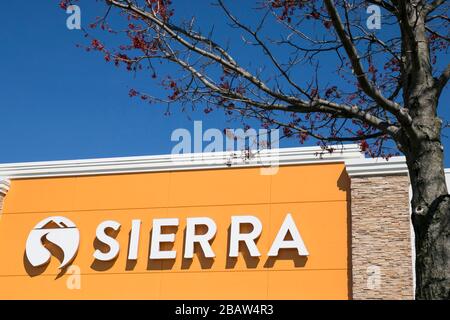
x: 352, y: 53
x: 384, y: 4
x: 293, y: 103
x: 433, y: 6
x: 443, y: 79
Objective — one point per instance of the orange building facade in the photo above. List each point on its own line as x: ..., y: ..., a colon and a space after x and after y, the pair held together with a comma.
x: 316, y: 190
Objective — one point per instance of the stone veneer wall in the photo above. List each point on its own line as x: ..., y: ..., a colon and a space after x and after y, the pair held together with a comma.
x: 381, y: 238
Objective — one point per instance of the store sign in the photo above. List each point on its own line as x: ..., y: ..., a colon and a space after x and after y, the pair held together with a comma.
x: 64, y: 234
x: 59, y: 231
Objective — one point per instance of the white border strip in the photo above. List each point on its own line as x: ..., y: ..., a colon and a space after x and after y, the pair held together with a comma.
x: 378, y: 166
x: 194, y: 161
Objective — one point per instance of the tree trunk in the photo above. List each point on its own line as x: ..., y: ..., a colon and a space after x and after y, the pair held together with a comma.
x: 431, y: 219
x: 421, y: 143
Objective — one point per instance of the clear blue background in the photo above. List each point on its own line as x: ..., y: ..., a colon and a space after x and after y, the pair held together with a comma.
x: 60, y: 102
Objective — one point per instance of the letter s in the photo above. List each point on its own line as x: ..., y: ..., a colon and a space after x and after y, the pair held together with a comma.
x: 109, y: 241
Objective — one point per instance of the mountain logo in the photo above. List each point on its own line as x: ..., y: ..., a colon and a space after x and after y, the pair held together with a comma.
x: 59, y: 231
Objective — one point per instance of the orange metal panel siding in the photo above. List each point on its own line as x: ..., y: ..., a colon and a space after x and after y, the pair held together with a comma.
x: 315, y: 195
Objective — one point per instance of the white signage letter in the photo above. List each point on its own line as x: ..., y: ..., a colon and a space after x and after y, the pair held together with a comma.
x: 112, y: 243
x: 249, y: 238
x: 203, y: 239
x: 134, y: 239
x: 296, y: 242
x: 157, y: 238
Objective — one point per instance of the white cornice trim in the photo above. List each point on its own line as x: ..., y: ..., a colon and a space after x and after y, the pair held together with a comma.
x: 194, y: 161
x: 4, y: 186
x: 376, y: 167
x: 356, y: 164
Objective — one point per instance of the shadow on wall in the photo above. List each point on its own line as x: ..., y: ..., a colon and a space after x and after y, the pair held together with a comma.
x: 205, y: 262
x: 55, y: 251
x: 168, y: 264
x: 344, y: 184
x: 98, y: 265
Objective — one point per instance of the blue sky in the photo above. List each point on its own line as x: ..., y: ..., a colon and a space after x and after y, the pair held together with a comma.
x: 59, y: 102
